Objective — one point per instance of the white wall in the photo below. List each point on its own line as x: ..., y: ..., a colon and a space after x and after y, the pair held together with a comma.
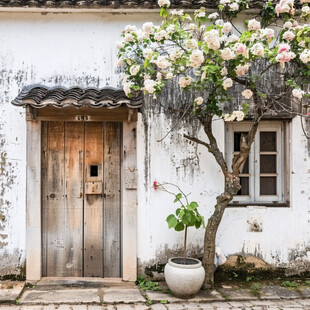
x: 78, y: 49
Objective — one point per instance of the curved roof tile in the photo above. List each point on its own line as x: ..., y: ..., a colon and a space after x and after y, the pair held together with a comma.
x: 39, y: 96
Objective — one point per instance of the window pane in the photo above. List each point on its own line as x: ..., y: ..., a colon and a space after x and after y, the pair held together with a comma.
x: 268, y: 141
x: 268, y: 185
x: 245, y: 167
x: 244, y: 181
x: 268, y: 163
x: 237, y: 137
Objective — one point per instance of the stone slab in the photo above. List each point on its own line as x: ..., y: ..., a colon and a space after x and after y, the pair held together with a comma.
x: 10, y: 290
x: 203, y: 296
x: 60, y: 296
x: 112, y: 295
x: 279, y: 292
x: 236, y: 293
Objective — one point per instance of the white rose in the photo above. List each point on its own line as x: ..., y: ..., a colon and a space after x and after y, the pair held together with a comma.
x: 258, y: 49
x: 120, y: 63
x: 196, y: 58
x: 127, y: 89
x: 213, y: 16
x: 305, y: 9
x: 288, y: 25
x: 148, y: 28
x: 149, y: 86
x: 227, y: 54
x: 288, y: 35
x: 199, y: 101
x: 191, y: 44
x: 254, y: 25
x: 192, y: 27
x: 305, y: 56
x: 185, y: 81
x: 298, y: 93
x: 224, y: 71
x: 134, y: 69
x: 224, y: 2
x: 176, y: 54
x: 227, y: 83
x: 234, y: 6
x: 229, y: 117
x: 242, y: 70
x: 247, y: 93
x: 177, y: 13
x: 147, y: 53
x: 130, y: 28
x: 119, y: 45
x: 226, y: 27
x: 239, y: 115
x: 169, y: 75
x: 164, y: 2
x: 219, y: 22
x: 129, y: 37
x: 162, y: 62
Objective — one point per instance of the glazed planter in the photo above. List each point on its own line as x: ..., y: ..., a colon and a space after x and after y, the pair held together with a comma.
x: 184, y: 280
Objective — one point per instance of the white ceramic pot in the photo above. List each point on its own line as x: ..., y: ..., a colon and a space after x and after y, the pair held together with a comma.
x: 184, y: 280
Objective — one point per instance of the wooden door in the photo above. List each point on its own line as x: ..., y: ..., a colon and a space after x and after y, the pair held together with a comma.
x: 81, y: 199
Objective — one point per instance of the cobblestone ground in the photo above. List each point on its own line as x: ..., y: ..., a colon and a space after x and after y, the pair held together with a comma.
x: 233, y: 305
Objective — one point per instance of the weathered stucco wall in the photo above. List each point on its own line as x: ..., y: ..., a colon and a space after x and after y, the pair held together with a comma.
x: 78, y: 49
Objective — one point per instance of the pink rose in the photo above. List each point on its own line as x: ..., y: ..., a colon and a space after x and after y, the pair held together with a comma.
x: 283, y: 48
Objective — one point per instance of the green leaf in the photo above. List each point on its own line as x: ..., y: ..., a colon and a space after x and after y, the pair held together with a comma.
x: 164, y: 301
x: 179, y: 227
x: 192, y: 206
x: 172, y: 221
x: 178, y: 197
x: 264, y: 96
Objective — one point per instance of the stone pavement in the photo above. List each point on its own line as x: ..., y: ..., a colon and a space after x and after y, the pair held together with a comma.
x: 94, y: 294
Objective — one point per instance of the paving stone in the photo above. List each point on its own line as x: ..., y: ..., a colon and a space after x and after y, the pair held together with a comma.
x: 60, y: 296
x: 158, y: 307
x: 304, y: 302
x: 281, y: 292
x: 10, y: 290
x: 305, y: 292
x: 236, y: 294
x: 157, y: 296
x: 176, y: 307
x: 112, y: 295
x: 236, y: 304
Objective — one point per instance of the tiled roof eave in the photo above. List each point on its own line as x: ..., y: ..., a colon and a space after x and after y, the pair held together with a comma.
x: 39, y: 96
x: 113, y: 4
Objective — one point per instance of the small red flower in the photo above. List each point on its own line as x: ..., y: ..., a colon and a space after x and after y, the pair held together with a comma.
x: 155, y: 185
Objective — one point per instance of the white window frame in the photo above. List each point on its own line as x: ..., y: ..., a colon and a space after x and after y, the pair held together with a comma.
x: 254, y: 196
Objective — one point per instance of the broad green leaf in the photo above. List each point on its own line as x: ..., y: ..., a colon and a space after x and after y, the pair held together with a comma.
x: 178, y: 197
x: 172, y: 221
x: 179, y: 227
x: 192, y: 206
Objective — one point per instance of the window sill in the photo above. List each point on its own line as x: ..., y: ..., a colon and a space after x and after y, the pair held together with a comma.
x: 259, y: 204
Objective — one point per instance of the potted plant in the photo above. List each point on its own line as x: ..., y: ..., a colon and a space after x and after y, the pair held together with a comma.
x: 184, y: 276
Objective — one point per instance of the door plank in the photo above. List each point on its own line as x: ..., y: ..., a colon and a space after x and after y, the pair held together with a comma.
x: 53, y: 198
x: 74, y: 160
x: 93, y: 203
x: 112, y: 201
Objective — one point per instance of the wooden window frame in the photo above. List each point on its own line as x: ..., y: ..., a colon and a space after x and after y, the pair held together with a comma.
x: 282, y: 151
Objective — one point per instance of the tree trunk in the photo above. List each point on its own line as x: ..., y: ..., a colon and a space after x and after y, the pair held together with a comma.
x: 232, y: 187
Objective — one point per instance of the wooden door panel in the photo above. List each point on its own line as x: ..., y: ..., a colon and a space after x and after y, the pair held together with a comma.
x: 112, y: 210
x: 93, y: 201
x: 53, y: 198
x: 81, y: 205
x: 74, y: 160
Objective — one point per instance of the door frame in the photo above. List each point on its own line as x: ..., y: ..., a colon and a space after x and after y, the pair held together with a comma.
x: 128, y: 190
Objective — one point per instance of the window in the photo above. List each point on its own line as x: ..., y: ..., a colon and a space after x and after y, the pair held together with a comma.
x: 263, y: 176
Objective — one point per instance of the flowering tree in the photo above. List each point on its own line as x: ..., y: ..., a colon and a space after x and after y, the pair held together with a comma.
x: 208, y: 56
